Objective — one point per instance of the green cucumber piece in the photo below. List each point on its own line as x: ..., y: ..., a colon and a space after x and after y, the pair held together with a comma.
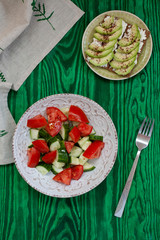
x: 93, y: 131
x: 44, y: 134
x: 82, y: 141
x: 34, y: 133
x: 86, y: 145
x: 54, y: 146
x: 43, y: 168
x: 82, y: 159
x: 95, y: 137
x: 88, y: 167
x: 65, y: 110
x: 64, y: 131
x: 58, y: 164
x: 30, y: 146
x: 56, y: 170
x: 75, y: 152
x: 74, y: 161
x: 62, y: 156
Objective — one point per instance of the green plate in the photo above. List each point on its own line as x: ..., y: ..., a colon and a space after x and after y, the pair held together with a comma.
x: 129, y: 18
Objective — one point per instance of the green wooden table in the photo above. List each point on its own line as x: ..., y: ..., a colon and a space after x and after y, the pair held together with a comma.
x: 29, y: 215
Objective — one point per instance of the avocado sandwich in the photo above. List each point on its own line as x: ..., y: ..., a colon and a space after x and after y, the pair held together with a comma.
x: 116, y: 45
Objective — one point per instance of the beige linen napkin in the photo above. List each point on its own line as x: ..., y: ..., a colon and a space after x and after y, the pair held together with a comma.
x: 28, y: 32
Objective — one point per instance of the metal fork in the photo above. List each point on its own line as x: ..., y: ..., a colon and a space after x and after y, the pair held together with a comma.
x: 142, y: 142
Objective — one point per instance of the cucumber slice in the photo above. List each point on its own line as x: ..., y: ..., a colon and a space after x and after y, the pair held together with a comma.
x: 62, y: 156
x: 34, y: 133
x: 62, y: 145
x: 82, y: 141
x: 56, y: 170
x: 69, y: 139
x: 93, y: 131
x: 95, y: 137
x: 64, y: 131
x: 82, y: 159
x: 75, y: 152
x: 86, y: 145
x: 44, y: 134
x: 75, y: 124
x: 74, y: 161
x: 88, y: 167
x: 43, y: 168
x: 65, y: 110
x: 58, y: 164
x: 30, y: 146
x: 54, y: 146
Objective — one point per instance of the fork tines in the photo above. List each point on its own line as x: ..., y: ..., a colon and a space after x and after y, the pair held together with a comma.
x: 146, y: 126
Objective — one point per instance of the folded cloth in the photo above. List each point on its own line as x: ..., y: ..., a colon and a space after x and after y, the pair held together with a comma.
x: 29, y: 31
x: 7, y: 126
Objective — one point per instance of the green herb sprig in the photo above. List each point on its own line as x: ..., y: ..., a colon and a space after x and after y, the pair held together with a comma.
x: 40, y: 11
x: 3, y: 133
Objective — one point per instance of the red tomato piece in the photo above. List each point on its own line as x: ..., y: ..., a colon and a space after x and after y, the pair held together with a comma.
x: 53, y: 128
x: 33, y: 157
x: 85, y: 129
x: 77, y: 172
x: 55, y: 114
x: 41, y: 146
x: 94, y: 150
x: 76, y: 114
x: 69, y: 146
x: 49, y: 157
x: 37, y: 122
x: 75, y: 134
x: 64, y: 176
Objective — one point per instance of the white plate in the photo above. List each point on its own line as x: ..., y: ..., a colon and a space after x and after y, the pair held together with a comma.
x: 103, y: 125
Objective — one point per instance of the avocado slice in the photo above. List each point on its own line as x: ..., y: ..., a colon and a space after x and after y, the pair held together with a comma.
x: 93, y: 46
x: 108, y: 22
x: 129, y: 48
x: 122, y: 57
x: 109, y: 31
x: 94, y: 54
x: 106, y: 38
x: 101, y: 61
x: 125, y: 71
x: 119, y: 65
x: 132, y: 36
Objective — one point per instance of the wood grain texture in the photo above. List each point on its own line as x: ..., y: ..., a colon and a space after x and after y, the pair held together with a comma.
x: 26, y: 214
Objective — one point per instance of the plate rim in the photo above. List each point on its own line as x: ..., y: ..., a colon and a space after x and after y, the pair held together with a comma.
x: 122, y: 78
x: 92, y: 187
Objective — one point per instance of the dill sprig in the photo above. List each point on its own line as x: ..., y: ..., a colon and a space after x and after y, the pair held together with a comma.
x: 40, y: 11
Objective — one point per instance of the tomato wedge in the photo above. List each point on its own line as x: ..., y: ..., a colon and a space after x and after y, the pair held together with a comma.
x: 94, y: 150
x: 33, y: 157
x: 53, y: 128
x: 76, y: 114
x: 37, y: 122
x: 77, y: 172
x: 75, y: 134
x: 64, y: 176
x: 41, y: 146
x: 69, y: 146
x: 85, y: 129
x: 49, y: 157
x: 55, y: 114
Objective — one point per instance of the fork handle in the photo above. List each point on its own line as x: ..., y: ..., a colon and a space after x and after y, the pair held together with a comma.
x: 123, y: 199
